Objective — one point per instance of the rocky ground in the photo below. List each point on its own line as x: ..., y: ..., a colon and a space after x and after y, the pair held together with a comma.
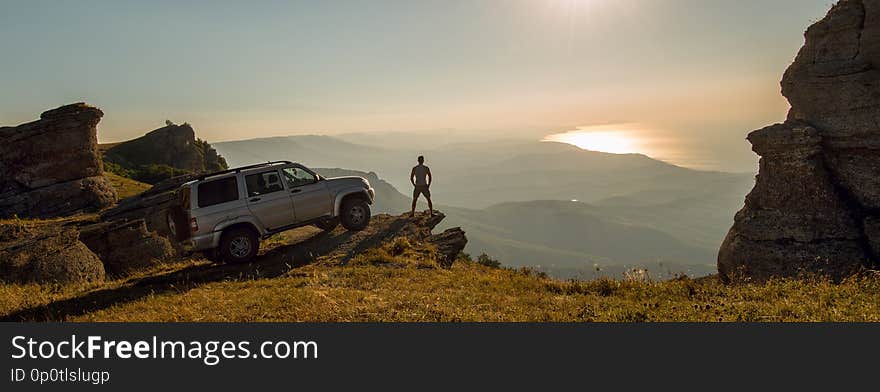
x: 403, y: 281
x: 279, y: 255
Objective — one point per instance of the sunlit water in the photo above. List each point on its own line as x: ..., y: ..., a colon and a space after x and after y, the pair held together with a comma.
x: 632, y: 139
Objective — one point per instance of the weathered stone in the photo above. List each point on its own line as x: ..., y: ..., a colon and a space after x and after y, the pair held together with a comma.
x: 449, y: 243
x: 816, y: 200
x: 151, y: 206
x: 834, y: 84
x: 51, y: 167
x: 784, y: 207
x: 126, y: 247
x: 51, y: 254
x: 760, y: 260
x: 59, y: 199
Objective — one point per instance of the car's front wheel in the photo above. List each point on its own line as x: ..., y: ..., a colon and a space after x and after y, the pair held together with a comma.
x: 355, y: 214
x: 239, y: 245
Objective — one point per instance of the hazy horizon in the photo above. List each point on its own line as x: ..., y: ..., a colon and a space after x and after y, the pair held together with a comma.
x: 683, y: 80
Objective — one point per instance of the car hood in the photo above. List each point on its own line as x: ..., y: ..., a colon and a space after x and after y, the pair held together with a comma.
x: 347, y: 181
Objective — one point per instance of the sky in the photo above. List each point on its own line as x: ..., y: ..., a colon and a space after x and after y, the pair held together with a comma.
x: 688, y: 78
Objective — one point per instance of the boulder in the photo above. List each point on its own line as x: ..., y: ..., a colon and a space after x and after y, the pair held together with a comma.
x: 449, y: 243
x: 816, y: 201
x: 47, y: 254
x: 51, y: 167
x: 126, y: 247
x: 77, y: 250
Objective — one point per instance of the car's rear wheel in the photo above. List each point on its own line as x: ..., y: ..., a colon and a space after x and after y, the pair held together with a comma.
x: 355, y: 214
x: 239, y: 245
x: 327, y: 224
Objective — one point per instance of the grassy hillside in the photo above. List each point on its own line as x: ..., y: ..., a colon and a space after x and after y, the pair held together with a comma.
x: 401, y: 283
x: 300, y: 277
x: 163, y: 153
x: 125, y: 187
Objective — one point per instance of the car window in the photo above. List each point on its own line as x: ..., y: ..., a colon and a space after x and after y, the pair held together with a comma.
x: 263, y: 183
x: 296, y: 176
x: 219, y: 191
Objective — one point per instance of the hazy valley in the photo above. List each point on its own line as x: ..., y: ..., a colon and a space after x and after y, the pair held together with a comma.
x: 553, y: 206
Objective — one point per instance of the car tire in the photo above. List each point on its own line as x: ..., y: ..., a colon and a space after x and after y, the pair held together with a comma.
x: 355, y: 214
x: 239, y: 245
x: 327, y: 224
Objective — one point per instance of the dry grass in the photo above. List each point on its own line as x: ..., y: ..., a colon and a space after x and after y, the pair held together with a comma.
x: 400, y: 253
x: 125, y: 187
x: 401, y: 282
x: 471, y: 292
x: 14, y: 297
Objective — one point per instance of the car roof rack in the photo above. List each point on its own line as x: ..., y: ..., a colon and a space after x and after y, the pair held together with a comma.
x: 238, y: 169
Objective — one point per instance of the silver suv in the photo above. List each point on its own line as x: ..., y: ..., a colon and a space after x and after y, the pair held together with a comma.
x: 225, y: 214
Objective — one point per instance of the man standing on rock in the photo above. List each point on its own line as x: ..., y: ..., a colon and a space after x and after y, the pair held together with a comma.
x: 420, y: 177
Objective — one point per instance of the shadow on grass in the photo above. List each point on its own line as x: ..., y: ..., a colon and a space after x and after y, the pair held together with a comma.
x: 340, y: 245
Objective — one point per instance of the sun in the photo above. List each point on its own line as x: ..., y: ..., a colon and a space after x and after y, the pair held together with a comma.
x: 602, y: 140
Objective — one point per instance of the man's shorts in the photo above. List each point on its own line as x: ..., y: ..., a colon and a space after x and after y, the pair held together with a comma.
x: 423, y: 189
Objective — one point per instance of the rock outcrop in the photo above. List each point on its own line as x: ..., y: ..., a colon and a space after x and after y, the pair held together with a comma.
x: 151, y: 206
x: 126, y: 247
x: 449, y: 243
x: 384, y: 228
x: 46, y: 252
x: 51, y: 167
x: 174, y: 146
x: 815, y: 207
x: 77, y: 250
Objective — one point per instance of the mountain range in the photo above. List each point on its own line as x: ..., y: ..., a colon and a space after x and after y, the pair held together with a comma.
x: 553, y: 206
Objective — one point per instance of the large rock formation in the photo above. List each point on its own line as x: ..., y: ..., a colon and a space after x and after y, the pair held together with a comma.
x: 174, y: 146
x: 51, y: 167
x: 815, y: 207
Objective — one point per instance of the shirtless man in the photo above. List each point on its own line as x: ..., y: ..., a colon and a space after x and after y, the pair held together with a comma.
x: 420, y: 177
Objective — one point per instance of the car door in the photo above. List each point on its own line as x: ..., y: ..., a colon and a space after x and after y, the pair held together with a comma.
x: 311, y: 198
x: 268, y: 200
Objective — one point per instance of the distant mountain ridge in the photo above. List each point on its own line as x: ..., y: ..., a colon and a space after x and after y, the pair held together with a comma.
x: 480, y: 174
